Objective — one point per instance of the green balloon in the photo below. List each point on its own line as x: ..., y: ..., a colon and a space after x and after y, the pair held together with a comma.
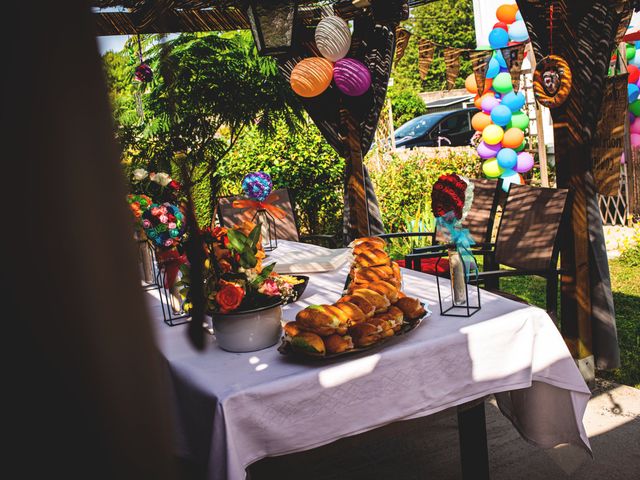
x: 631, y: 51
x: 635, y: 108
x: 491, y: 168
x: 502, y: 83
x: 519, y: 120
x: 522, y: 146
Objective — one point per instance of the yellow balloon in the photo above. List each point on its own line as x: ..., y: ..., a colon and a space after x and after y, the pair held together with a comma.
x: 492, y: 134
x: 491, y: 168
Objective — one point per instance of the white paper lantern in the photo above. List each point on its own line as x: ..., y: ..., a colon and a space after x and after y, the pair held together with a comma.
x: 333, y: 38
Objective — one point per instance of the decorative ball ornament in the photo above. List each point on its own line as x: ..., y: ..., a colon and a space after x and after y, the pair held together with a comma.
x: 144, y: 73
x: 257, y: 185
x: 552, y: 81
x: 333, y: 38
x: 311, y: 76
x: 352, y: 77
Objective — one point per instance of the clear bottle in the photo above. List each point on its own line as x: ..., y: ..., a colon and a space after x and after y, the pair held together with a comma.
x: 458, y: 280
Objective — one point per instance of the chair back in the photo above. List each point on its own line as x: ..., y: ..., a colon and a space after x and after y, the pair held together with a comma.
x: 480, y: 218
x: 286, y: 228
x: 528, y: 232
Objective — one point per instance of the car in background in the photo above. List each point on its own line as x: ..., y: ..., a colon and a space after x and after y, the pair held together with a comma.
x: 440, y: 129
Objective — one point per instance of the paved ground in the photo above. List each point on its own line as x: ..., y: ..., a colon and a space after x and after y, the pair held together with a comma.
x: 428, y: 449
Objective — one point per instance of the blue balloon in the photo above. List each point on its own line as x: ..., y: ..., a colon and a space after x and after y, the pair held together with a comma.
x: 634, y: 92
x: 518, y: 31
x: 518, y: 16
x: 507, y: 158
x: 515, y: 101
x: 501, y: 115
x: 498, y: 38
x: 508, y: 177
x: 498, y: 56
x: 636, y: 59
x: 493, y: 69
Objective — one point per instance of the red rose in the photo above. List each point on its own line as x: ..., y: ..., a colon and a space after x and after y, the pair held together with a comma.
x: 175, y: 185
x: 229, y: 297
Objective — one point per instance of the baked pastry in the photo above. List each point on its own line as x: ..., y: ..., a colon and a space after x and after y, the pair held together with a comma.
x: 397, y: 273
x: 380, y: 302
x: 372, y: 274
x: 411, y: 308
x: 291, y: 329
x: 353, y: 312
x: 394, y: 316
x: 384, y: 327
x: 362, y: 303
x: 309, y: 344
x: 382, y: 287
x: 364, y: 334
x: 338, y: 344
x: 320, y: 320
x: 367, y: 246
x: 377, y: 241
x: 372, y: 258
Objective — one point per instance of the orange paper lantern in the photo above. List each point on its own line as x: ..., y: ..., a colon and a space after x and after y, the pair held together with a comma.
x: 480, y: 121
x: 311, y: 77
x: 470, y: 84
x: 507, y: 13
x: 513, y: 138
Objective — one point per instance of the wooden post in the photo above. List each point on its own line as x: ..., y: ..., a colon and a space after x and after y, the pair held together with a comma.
x: 542, y: 147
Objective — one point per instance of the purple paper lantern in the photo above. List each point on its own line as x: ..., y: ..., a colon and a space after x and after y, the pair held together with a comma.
x: 352, y: 77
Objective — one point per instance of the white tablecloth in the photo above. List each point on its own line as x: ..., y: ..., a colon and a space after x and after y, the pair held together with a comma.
x: 234, y: 409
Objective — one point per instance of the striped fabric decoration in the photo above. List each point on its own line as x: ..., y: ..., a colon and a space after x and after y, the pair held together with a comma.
x: 513, y: 56
x: 480, y: 62
x: 402, y: 42
x: 452, y: 64
x: 426, y: 51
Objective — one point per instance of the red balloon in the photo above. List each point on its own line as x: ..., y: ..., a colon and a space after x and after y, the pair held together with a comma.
x: 502, y: 25
x: 634, y: 73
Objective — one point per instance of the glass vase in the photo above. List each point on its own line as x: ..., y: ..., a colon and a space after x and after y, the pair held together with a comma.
x: 457, y: 276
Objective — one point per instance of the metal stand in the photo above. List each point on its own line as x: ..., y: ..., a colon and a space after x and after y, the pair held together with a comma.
x: 468, y: 308
x: 172, y: 312
x: 148, y: 265
x: 268, y: 229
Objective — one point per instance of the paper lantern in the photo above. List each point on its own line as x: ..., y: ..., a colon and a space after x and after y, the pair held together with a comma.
x: 311, y: 77
x: 352, y: 77
x: 333, y: 38
x: 512, y: 138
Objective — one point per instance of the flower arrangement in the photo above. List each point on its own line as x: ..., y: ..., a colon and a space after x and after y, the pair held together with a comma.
x: 157, y: 185
x: 235, y: 279
x: 138, y: 204
x: 451, y: 197
x: 164, y: 225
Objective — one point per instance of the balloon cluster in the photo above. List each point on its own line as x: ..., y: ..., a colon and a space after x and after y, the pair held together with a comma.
x: 633, y: 57
x: 312, y: 76
x: 501, y: 121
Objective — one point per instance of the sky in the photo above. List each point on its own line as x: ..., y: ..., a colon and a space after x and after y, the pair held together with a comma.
x: 113, y: 42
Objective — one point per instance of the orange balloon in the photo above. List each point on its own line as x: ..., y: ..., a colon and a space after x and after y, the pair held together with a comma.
x: 507, y: 13
x: 476, y: 100
x: 470, y: 84
x: 488, y: 84
x: 480, y: 121
x: 311, y: 76
x: 513, y: 138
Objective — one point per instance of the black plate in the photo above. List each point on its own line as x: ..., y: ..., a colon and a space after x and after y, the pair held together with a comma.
x: 408, y: 325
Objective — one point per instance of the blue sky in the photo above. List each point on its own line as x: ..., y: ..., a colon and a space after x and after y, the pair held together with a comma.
x: 113, y: 42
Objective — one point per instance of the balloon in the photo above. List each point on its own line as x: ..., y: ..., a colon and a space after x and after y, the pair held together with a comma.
x: 489, y: 103
x: 518, y: 32
x: 510, y: 177
x: 352, y: 77
x: 524, y: 162
x: 494, y: 68
x: 636, y: 59
x: 515, y: 101
x: 635, y: 126
x: 512, y: 138
x: 491, y: 168
x: 502, y: 83
x: 486, y: 151
x: 519, y: 120
x: 498, y: 56
x: 311, y: 76
x: 492, y: 134
x: 488, y: 84
x: 470, y: 84
x: 478, y: 102
x: 507, y: 13
x: 501, y: 115
x: 633, y: 92
x: 634, y: 108
x: 480, y: 121
x: 333, y: 38
x: 635, y: 140
x: 498, y: 38
x: 518, y: 16
x: 631, y: 51
x: 507, y: 158
x: 521, y: 147
x: 502, y: 25
x: 634, y: 73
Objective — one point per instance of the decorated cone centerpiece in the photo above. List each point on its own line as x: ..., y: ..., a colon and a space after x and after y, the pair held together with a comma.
x: 451, y: 200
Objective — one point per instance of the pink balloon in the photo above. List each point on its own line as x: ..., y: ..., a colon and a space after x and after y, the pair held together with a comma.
x: 489, y: 103
x: 486, y: 151
x: 525, y: 162
x: 635, y: 140
x: 635, y: 126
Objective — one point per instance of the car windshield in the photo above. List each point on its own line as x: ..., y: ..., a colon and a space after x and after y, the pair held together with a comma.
x: 418, y: 126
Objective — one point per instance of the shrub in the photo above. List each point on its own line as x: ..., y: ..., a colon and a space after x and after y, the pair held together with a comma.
x: 406, y: 106
x: 631, y: 251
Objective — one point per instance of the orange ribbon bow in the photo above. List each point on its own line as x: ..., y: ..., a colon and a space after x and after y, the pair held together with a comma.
x: 277, y: 212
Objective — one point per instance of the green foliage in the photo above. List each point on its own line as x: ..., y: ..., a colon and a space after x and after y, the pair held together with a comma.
x: 404, y: 181
x: 446, y: 22
x: 406, y: 106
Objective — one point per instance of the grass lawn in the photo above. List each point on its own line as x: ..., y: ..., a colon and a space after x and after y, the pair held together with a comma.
x: 625, y: 279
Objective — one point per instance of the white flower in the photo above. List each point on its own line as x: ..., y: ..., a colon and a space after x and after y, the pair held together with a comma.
x: 140, y: 174
x: 162, y: 179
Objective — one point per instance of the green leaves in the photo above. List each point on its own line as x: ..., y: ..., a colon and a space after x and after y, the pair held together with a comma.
x: 245, y: 246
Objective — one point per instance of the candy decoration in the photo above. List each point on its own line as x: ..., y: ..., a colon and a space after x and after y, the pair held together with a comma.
x: 257, y: 185
x: 352, y: 77
x: 311, y: 77
x: 333, y: 38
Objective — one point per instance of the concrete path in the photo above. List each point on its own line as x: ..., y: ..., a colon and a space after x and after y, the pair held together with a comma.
x: 428, y: 449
